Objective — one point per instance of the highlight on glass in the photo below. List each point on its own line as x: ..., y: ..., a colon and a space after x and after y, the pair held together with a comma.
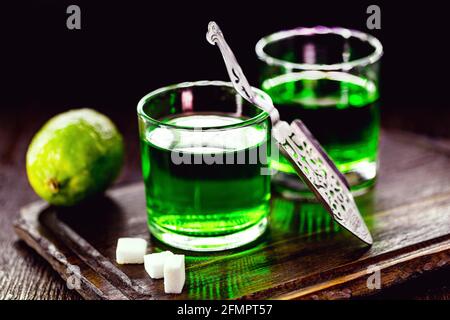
x: 205, y: 158
x: 328, y: 78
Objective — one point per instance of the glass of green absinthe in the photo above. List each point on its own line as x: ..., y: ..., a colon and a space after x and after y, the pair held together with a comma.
x: 328, y: 78
x: 205, y: 161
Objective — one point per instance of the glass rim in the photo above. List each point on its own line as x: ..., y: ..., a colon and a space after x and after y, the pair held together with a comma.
x: 260, y: 117
x: 320, y: 30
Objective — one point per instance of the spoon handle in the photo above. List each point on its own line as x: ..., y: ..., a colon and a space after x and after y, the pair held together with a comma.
x: 237, y: 77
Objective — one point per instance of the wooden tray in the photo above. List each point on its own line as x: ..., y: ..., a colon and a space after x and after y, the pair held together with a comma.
x: 303, y: 255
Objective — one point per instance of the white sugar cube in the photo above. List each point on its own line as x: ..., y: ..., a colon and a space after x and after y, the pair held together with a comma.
x: 174, y: 273
x: 154, y: 263
x: 130, y: 250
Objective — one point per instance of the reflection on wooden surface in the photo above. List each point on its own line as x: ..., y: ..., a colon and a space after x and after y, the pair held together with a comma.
x: 303, y: 254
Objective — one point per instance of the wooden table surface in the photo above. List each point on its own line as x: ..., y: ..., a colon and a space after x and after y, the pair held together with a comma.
x: 25, y: 275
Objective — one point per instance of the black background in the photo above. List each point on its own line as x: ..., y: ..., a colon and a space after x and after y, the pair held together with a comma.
x: 128, y: 48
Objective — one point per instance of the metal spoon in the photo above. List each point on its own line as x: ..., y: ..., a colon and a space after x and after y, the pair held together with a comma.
x: 299, y: 146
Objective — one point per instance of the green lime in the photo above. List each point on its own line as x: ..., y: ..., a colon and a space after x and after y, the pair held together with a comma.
x: 75, y: 155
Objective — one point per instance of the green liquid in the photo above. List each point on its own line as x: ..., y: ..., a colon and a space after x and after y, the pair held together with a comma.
x: 341, y: 112
x: 204, y: 200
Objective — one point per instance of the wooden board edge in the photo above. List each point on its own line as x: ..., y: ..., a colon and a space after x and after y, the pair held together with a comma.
x: 392, y: 272
x: 430, y: 257
x: 27, y: 229
x: 94, y: 259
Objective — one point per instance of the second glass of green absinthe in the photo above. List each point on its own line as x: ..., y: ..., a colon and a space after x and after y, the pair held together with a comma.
x: 193, y: 187
x: 340, y: 110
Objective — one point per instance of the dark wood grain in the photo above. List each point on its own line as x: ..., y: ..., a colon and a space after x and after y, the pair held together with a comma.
x: 25, y: 275
x: 304, y: 255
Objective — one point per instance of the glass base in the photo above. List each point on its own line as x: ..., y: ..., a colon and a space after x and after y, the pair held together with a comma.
x: 216, y: 243
x: 361, y: 179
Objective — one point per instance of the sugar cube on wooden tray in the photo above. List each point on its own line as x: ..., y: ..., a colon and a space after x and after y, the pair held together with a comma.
x: 131, y: 250
x: 154, y: 263
x: 174, y: 273
x: 159, y: 265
